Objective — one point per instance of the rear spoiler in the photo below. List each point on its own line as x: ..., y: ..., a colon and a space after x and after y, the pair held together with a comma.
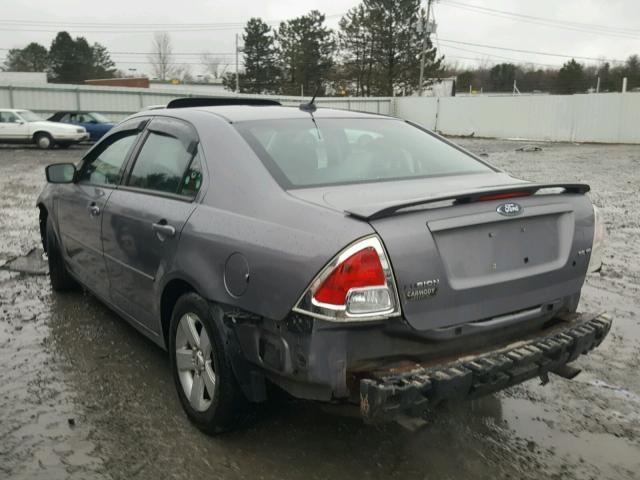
x: 189, y: 102
x: 491, y: 193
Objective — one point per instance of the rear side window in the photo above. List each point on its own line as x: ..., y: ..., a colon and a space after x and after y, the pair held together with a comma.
x: 105, y: 167
x: 336, y: 151
x: 8, y: 117
x: 192, y: 179
x: 166, y: 164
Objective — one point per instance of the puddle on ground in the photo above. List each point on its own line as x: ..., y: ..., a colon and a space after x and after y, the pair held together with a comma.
x: 33, y: 263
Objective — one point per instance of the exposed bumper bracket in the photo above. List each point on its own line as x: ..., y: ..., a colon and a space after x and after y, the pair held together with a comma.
x: 474, y: 376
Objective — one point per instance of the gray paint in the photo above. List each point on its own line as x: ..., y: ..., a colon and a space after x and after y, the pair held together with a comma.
x: 287, y: 237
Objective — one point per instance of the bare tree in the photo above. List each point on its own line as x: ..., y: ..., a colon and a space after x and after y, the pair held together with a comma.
x: 183, y: 73
x: 211, y: 64
x: 161, y: 56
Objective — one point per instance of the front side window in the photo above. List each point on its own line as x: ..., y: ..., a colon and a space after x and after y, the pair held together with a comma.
x: 335, y: 151
x: 105, y: 168
x: 162, y: 165
x: 84, y: 118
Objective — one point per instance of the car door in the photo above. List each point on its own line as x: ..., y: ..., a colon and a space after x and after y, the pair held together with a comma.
x: 80, y: 206
x: 12, y: 127
x: 91, y: 125
x: 145, y: 215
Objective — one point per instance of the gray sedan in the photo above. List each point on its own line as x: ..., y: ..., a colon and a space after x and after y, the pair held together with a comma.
x: 340, y: 256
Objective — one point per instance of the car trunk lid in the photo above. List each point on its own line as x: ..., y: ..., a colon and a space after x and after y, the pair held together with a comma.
x: 457, y: 259
x: 469, y: 263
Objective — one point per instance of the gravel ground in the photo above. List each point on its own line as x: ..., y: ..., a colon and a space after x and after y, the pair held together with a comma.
x: 82, y: 395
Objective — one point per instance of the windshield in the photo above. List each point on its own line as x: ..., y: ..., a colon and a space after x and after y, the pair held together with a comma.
x: 301, y: 153
x: 98, y: 117
x: 29, y: 116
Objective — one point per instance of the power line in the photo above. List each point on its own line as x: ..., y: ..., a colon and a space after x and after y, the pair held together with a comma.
x: 567, y: 22
x: 118, y: 28
x: 499, y: 57
x: 561, y: 24
x: 549, y: 54
x: 213, y: 54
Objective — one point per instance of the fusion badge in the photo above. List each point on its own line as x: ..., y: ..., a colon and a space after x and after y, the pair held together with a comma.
x: 423, y: 289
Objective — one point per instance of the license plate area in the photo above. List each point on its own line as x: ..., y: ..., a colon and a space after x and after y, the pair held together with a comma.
x: 497, y: 251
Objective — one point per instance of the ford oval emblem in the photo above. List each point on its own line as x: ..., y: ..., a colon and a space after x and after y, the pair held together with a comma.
x: 509, y: 209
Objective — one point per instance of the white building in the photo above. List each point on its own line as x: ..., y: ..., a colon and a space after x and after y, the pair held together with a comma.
x: 22, y: 78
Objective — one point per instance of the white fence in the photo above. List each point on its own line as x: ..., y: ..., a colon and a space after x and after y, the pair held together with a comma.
x: 604, y: 117
x: 119, y: 102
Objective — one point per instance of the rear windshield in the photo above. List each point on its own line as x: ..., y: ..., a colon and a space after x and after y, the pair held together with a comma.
x: 330, y: 151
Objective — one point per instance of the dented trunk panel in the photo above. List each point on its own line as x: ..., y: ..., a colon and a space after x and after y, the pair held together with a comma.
x: 468, y: 263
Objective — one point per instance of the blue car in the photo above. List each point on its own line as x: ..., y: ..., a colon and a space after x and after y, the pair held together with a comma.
x: 95, y: 123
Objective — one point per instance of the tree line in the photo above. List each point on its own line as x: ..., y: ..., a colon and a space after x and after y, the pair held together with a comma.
x: 68, y: 60
x: 572, y: 77
x: 376, y: 51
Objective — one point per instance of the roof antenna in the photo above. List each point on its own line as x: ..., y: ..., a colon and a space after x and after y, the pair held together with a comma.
x: 311, y: 106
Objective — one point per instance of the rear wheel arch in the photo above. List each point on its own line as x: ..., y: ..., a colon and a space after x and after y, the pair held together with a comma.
x: 42, y: 222
x: 171, y: 292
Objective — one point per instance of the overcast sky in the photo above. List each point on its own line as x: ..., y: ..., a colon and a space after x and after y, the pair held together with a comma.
x: 583, y: 28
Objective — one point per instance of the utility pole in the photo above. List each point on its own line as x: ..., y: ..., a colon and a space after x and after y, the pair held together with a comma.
x: 237, y: 72
x: 598, y: 86
x: 425, y: 37
x: 515, y: 88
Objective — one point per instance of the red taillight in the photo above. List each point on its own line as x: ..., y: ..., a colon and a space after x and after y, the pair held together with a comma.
x: 502, y: 196
x: 362, y: 269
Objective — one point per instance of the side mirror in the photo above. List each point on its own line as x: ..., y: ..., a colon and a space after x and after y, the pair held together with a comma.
x: 61, y: 173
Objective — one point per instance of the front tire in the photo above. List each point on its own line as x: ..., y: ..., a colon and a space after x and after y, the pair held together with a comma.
x: 43, y: 141
x: 202, y: 373
x: 61, y: 280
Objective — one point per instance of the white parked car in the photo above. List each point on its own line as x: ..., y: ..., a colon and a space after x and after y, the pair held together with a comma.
x: 24, y: 126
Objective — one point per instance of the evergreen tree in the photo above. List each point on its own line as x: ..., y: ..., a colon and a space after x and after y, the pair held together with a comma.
x: 571, y: 78
x: 261, y: 73
x: 75, y: 60
x: 502, y: 77
x: 387, y: 36
x: 32, y: 58
x: 356, y: 50
x: 103, y: 66
x: 305, y: 53
x: 632, y: 71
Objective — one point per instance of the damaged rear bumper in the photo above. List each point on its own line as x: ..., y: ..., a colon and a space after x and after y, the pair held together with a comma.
x: 412, y: 392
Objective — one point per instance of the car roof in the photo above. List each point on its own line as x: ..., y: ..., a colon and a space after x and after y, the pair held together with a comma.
x: 244, y: 113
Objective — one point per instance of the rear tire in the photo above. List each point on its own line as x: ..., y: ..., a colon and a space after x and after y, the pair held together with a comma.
x: 43, y: 141
x: 202, y: 373
x: 61, y: 280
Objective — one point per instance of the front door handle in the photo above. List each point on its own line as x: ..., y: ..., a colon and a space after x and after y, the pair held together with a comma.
x: 163, y: 230
x: 94, y: 210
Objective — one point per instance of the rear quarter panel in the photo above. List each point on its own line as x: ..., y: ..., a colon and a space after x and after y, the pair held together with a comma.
x: 282, y: 258
x: 285, y: 241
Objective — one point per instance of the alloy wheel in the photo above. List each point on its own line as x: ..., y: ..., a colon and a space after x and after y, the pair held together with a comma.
x: 194, y: 361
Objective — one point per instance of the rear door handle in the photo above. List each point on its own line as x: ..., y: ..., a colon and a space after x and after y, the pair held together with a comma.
x: 163, y: 229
